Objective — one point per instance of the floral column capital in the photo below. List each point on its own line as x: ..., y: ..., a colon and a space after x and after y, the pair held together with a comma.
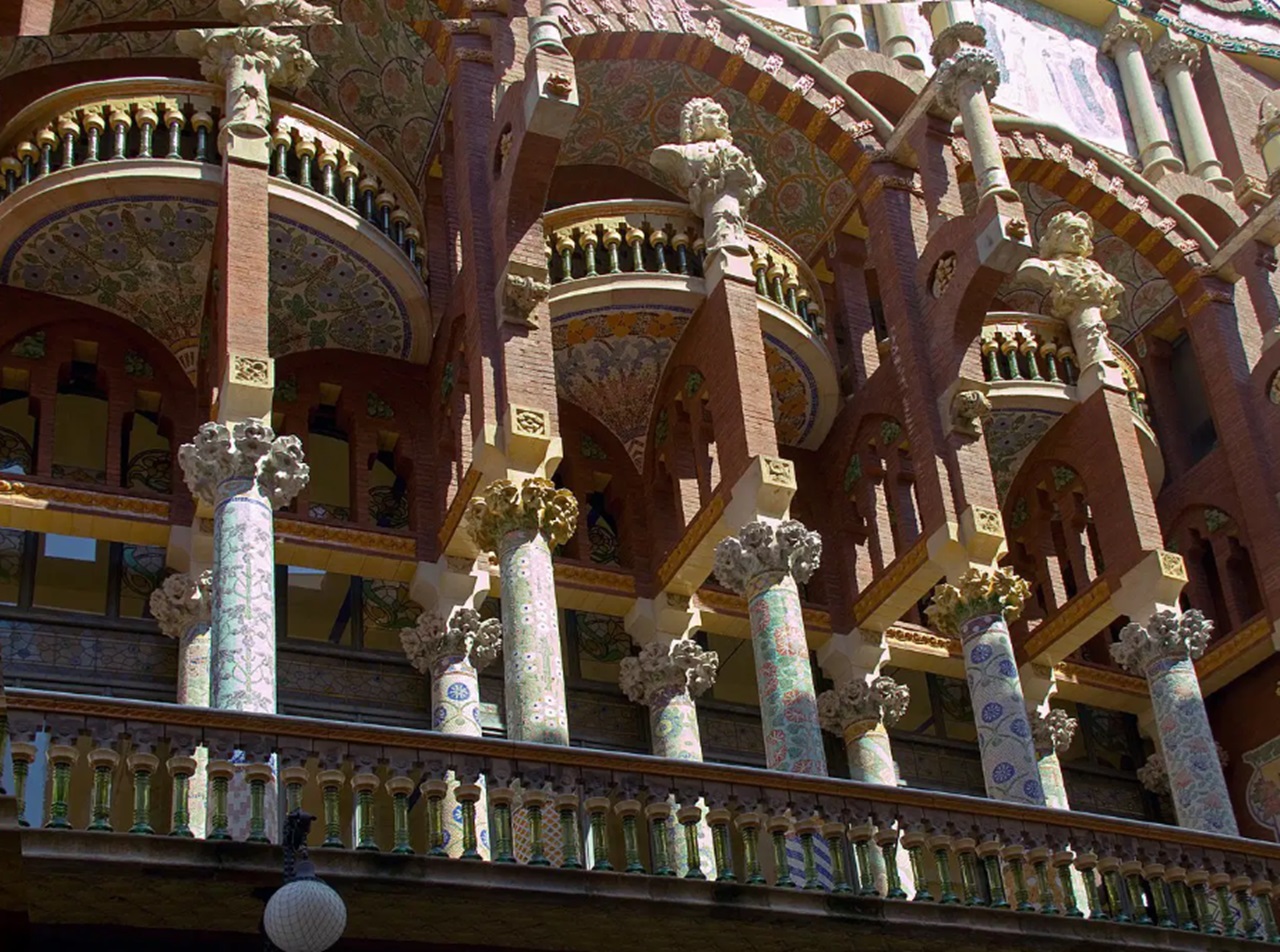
x: 1167, y: 636
x: 968, y: 66
x: 980, y: 592
x: 181, y: 602
x: 1052, y: 731
x: 244, y: 451
x: 884, y: 700
x: 765, y: 548
x: 464, y: 635
x: 662, y: 670
x: 535, y: 505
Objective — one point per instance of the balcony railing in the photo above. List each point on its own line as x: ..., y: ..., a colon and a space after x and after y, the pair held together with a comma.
x: 1032, y: 348
x: 653, y: 237
x: 609, y: 811
x: 128, y: 119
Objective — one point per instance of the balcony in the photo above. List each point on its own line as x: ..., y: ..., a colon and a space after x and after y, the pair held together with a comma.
x: 582, y: 849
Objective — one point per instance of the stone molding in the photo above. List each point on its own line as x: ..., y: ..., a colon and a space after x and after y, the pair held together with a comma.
x: 248, y: 450
x: 1167, y: 636
x: 662, y: 669
x: 535, y: 505
x: 464, y: 635
x: 883, y: 700
x: 980, y: 591
x: 765, y: 547
x: 1052, y: 731
x: 182, y: 602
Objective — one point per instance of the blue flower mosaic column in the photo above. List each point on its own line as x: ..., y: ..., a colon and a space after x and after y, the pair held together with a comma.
x: 858, y: 712
x: 976, y: 610
x: 1051, y: 732
x: 764, y: 562
x: 521, y: 524
x: 1164, y: 652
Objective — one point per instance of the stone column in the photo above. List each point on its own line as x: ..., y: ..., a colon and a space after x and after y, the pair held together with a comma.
x: 896, y: 41
x: 1126, y: 40
x: 764, y: 562
x: 245, y: 472
x: 859, y: 711
x: 1052, y: 731
x: 976, y: 609
x: 181, y: 609
x: 521, y: 523
x: 1163, y: 651
x: 841, y: 28
x: 1173, y: 59
x: 667, y: 678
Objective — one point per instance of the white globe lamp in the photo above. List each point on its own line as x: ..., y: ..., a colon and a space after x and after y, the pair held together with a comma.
x: 304, y: 915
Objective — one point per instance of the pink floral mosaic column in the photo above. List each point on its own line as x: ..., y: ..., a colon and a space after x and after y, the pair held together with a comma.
x: 764, y: 562
x: 1052, y: 732
x: 859, y: 712
x: 245, y: 472
x: 521, y: 523
x: 667, y: 678
x: 1164, y: 652
x: 975, y: 610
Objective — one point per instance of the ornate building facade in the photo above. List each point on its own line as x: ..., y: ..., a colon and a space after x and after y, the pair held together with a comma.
x: 641, y: 472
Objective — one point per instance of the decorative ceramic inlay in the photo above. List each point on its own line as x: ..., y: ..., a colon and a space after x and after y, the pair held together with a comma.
x: 1011, y: 435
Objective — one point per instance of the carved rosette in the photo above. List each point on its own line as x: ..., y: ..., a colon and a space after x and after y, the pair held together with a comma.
x: 764, y: 548
x: 884, y: 700
x: 533, y: 506
x: 970, y: 69
x: 980, y: 592
x: 1167, y: 636
x: 182, y: 602
x: 246, y: 451
x: 1053, y: 731
x: 664, y: 670
x: 433, y: 640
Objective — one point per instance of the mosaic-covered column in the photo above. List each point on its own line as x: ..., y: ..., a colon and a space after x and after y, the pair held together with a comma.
x: 245, y: 472
x: 859, y: 712
x: 521, y: 523
x: 1164, y: 651
x: 667, y: 678
x: 1052, y: 732
x: 977, y: 610
x: 765, y: 562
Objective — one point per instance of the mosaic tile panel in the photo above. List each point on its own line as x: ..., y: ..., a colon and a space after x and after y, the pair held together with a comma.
x: 794, y: 391
x: 1262, y: 795
x: 78, y: 14
x: 1011, y: 435
x: 83, y: 658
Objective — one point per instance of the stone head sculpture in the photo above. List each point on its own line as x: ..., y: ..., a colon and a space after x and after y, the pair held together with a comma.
x: 1068, y: 234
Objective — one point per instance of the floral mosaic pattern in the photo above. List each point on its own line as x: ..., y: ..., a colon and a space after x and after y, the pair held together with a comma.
x: 870, y: 756
x: 1009, y: 764
x: 1146, y: 292
x: 1263, y: 792
x: 673, y: 722
x: 323, y: 294
x: 629, y: 107
x: 1011, y: 435
x: 77, y: 14
x: 18, y: 54
x: 145, y: 259
x: 795, y: 392
x: 788, y: 703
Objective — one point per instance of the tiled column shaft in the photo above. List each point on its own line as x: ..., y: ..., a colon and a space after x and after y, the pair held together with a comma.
x: 858, y: 711
x: 764, y: 562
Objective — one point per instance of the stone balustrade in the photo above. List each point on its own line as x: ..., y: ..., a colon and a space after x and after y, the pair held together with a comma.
x: 654, y: 237
x: 600, y: 810
x: 179, y: 120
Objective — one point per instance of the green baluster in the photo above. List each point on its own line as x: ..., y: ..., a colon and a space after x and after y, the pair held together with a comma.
x: 62, y: 757
x: 1029, y: 349
x: 365, y: 784
x: 330, y: 787
x: 762, y: 283
x: 468, y: 795
x: 103, y: 762
x: 635, y: 238
x: 294, y: 779
x: 806, y: 832
x: 749, y: 825
x: 942, y: 857
x: 142, y: 766
x: 1062, y: 862
x: 1263, y: 891
x: 597, y: 810
x: 834, y: 834
x: 688, y: 818
x: 434, y: 791
x: 1040, y: 863
x: 181, y: 770
x: 565, y: 246
x: 1050, y: 352
x: 629, y: 810
x: 1016, y: 858
x: 611, y: 242
x: 659, y: 815
x: 533, y: 802
x: 567, y: 805
x: 888, y: 842
x: 1177, y: 879
x: 719, y: 822
x: 1111, y: 882
x: 1219, y: 883
x: 258, y: 775
x: 989, y: 851
x: 503, y: 847
x: 589, y: 242
x: 1240, y: 886
x: 779, y: 826
x: 220, y: 773
x: 914, y: 842
x: 658, y: 242
x: 965, y: 851
x: 1198, y: 881
x: 400, y: 787
x: 24, y: 754
x: 991, y: 363
x: 1154, y: 874
x: 1132, y: 873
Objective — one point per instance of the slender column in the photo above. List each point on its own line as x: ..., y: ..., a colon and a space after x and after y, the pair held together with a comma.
x: 841, y: 28
x: 764, y: 562
x: 1126, y: 40
x: 1052, y: 732
x: 521, y: 523
x: 1267, y: 139
x: 666, y: 678
x: 1164, y: 651
x: 859, y: 711
x: 244, y: 472
x: 896, y: 41
x: 977, y: 610
x: 1173, y: 59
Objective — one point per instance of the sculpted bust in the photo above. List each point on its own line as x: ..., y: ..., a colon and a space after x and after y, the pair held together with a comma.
x: 719, y: 178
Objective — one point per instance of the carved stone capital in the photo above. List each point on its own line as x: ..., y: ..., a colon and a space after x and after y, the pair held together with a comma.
x: 276, y: 12
x: 521, y: 295
x: 1052, y: 731
x: 1167, y: 636
x: 1172, y: 50
x: 535, y: 505
x: 763, y: 548
x: 980, y: 592
x: 663, y: 669
x: 1125, y: 29
x: 971, y: 67
x: 464, y: 635
x: 182, y: 602
x: 954, y: 38
x: 248, y: 450
x: 246, y: 52
x: 969, y: 410
x: 883, y: 700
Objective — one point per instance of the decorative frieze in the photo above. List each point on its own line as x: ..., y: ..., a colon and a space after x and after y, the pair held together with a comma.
x: 663, y: 670
x: 244, y: 452
x: 767, y: 549
x: 882, y: 701
x: 535, y: 505
x: 464, y: 636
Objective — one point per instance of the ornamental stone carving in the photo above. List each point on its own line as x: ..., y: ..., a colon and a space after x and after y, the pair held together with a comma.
x: 464, y: 635
x: 883, y: 700
x: 1081, y: 292
x: 1053, y: 731
x: 1170, y: 50
x: 662, y: 670
x: 248, y: 450
x: 1167, y: 636
x: 968, y: 69
x: 969, y: 408
x: 1154, y: 774
x: 533, y: 506
x: 276, y: 12
x: 520, y: 297
x: 181, y: 602
x: 979, y: 592
x: 767, y: 548
x: 719, y: 178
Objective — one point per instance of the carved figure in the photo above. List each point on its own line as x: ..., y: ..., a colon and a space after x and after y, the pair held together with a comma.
x: 276, y: 12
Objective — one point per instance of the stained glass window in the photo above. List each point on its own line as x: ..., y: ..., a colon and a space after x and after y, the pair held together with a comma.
x: 602, y: 643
